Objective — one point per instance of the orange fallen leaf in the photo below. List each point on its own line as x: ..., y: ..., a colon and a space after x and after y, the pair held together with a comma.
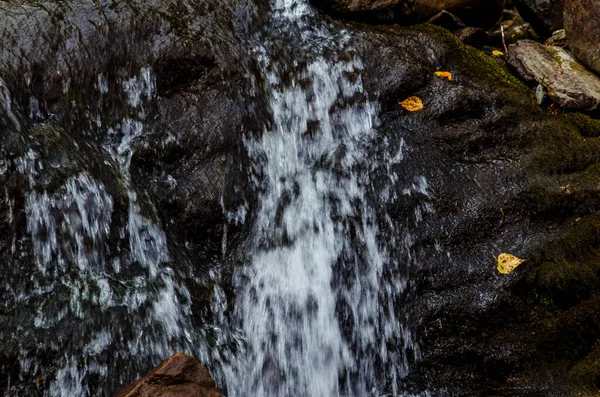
x: 412, y: 104
x: 444, y: 75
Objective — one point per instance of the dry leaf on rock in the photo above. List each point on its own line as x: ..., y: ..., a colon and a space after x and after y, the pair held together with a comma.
x: 444, y: 75
x: 507, y: 263
x: 412, y: 104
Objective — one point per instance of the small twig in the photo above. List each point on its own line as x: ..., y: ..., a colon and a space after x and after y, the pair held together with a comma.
x: 503, y: 41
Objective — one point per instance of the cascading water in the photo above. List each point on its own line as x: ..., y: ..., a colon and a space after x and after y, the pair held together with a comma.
x: 317, y: 304
x: 109, y: 279
x: 317, y: 300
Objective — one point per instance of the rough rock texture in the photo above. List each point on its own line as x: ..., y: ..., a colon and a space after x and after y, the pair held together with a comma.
x: 564, y: 79
x: 69, y: 75
x: 503, y: 176
x: 583, y: 31
x: 495, y: 164
x: 178, y: 376
x: 478, y: 13
x: 545, y: 16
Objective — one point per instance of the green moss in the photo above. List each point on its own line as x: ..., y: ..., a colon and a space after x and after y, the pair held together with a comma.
x: 570, y: 263
x: 483, y: 70
x: 587, y: 126
x: 563, y: 146
x: 573, y: 333
x: 587, y: 373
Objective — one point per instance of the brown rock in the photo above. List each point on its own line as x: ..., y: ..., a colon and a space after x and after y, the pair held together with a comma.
x: 446, y: 20
x: 475, y: 37
x: 178, y: 376
x: 582, y: 26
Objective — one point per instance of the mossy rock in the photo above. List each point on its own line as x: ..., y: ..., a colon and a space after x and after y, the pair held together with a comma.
x: 587, y: 373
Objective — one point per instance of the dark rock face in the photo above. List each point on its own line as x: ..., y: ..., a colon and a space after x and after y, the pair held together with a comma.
x: 503, y: 176
x: 495, y: 165
x: 476, y: 13
x: 178, y: 376
x: 99, y: 100
x: 545, y: 16
x: 583, y: 31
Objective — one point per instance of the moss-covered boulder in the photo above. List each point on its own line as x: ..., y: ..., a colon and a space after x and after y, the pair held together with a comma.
x: 503, y: 175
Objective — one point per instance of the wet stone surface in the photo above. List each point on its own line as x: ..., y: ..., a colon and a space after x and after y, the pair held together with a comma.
x: 150, y: 199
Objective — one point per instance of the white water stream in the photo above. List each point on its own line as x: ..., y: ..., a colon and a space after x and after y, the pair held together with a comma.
x: 313, y: 303
x: 317, y: 302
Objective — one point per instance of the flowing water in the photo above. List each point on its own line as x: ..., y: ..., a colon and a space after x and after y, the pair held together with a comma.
x: 317, y: 305
x: 317, y: 300
x: 106, y: 286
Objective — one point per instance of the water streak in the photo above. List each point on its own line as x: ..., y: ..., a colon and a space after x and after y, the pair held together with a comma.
x: 319, y: 317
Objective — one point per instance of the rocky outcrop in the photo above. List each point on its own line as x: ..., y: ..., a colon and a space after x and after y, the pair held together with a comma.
x: 178, y: 376
x: 545, y: 16
x: 478, y: 13
x: 583, y: 31
x: 167, y: 79
x: 561, y: 76
x: 501, y: 172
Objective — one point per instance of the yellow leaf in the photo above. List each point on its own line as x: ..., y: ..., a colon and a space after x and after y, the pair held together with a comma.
x: 497, y: 53
x: 507, y: 263
x: 412, y: 104
x: 443, y: 75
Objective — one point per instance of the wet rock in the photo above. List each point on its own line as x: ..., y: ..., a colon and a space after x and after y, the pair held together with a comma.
x: 545, y: 16
x: 178, y: 376
x: 583, y: 31
x: 106, y: 99
x: 479, y: 332
x: 565, y: 80
x: 478, y: 13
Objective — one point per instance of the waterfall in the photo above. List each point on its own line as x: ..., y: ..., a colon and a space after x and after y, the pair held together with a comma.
x: 318, y: 316
x: 317, y: 306
x: 108, y: 285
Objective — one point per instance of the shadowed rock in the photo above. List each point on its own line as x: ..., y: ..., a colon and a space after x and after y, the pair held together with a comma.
x: 545, y: 16
x: 479, y: 13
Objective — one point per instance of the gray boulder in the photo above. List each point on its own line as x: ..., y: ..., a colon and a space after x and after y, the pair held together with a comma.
x: 565, y: 80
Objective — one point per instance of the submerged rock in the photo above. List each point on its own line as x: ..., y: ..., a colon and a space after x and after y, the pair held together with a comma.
x: 178, y: 376
x: 478, y: 13
x: 582, y: 26
x: 565, y: 80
